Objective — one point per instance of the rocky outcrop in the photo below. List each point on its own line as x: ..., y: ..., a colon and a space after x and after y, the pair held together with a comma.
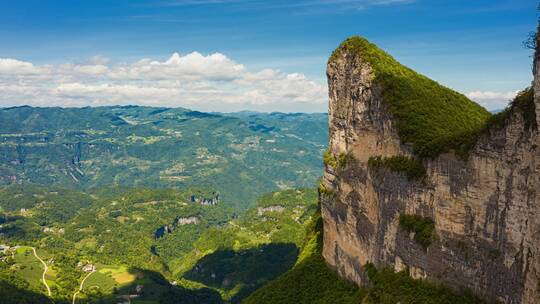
x: 485, y: 206
x: 276, y: 208
x: 188, y: 220
x: 180, y: 221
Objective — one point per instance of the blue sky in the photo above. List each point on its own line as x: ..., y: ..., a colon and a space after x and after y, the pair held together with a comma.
x: 76, y: 53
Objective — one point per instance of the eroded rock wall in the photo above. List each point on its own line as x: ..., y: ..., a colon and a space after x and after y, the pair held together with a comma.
x: 486, y: 209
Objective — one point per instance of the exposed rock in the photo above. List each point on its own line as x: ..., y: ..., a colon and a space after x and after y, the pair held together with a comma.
x: 188, y: 220
x: 179, y: 221
x: 486, y: 208
x: 263, y: 210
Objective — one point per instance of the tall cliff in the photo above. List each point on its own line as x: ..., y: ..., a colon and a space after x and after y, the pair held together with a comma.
x: 417, y: 176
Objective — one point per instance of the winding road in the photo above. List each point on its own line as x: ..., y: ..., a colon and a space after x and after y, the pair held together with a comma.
x: 81, y: 287
x: 45, y: 268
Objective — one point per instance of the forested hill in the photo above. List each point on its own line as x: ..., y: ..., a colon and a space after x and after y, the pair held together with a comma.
x: 239, y: 155
x: 106, y: 240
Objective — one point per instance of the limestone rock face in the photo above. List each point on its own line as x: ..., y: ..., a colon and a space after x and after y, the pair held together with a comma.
x: 486, y: 208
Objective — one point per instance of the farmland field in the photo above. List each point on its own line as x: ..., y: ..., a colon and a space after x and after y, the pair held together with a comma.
x: 28, y: 267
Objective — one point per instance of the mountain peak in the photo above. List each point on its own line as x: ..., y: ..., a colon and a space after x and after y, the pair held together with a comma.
x: 430, y: 117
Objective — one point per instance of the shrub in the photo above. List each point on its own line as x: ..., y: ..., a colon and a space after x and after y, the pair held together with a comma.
x: 344, y: 159
x: 412, y: 168
x: 524, y: 103
x: 329, y: 158
x: 423, y: 228
x: 389, y: 287
x: 337, y: 163
x: 324, y: 190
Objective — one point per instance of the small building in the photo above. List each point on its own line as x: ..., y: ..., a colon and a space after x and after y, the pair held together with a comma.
x: 89, y: 268
x: 4, y: 248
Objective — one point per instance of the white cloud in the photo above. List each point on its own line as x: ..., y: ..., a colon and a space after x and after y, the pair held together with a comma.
x: 16, y: 67
x: 97, y: 69
x: 492, y: 100
x: 489, y: 95
x: 193, y: 66
x: 206, y: 82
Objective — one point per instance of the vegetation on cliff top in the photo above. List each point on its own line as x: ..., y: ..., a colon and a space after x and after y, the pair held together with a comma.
x: 524, y: 104
x: 432, y: 118
x: 412, y: 168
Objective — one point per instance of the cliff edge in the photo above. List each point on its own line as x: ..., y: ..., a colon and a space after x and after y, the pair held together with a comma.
x: 419, y: 177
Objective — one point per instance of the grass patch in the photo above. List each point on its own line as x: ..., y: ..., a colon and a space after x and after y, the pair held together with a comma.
x: 423, y: 228
x: 28, y: 267
x: 410, y: 167
x: 119, y: 274
x: 125, y: 278
x: 104, y: 282
x: 432, y: 118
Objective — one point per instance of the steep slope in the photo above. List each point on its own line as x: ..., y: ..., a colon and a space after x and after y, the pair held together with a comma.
x: 418, y: 177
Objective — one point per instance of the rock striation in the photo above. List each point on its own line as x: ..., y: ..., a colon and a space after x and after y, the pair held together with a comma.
x: 482, y: 196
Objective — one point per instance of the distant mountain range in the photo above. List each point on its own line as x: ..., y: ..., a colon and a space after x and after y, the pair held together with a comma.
x: 239, y: 155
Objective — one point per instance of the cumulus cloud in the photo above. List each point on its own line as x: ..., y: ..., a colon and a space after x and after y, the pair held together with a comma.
x: 492, y: 100
x: 16, y: 67
x: 193, y: 66
x: 211, y: 82
x: 96, y: 69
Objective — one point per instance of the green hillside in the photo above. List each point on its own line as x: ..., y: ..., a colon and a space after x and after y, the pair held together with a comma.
x: 220, y: 256
x: 432, y: 118
x: 310, y: 281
